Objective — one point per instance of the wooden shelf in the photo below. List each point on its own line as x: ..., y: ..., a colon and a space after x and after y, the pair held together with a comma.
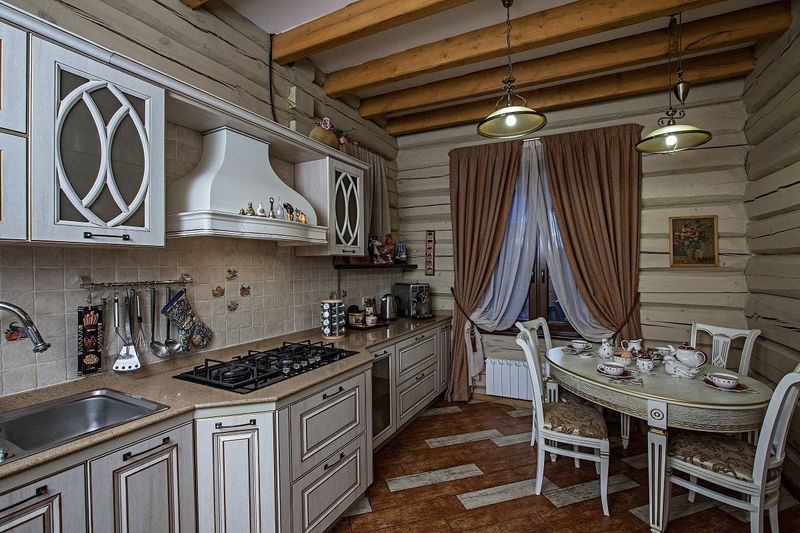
x: 375, y: 267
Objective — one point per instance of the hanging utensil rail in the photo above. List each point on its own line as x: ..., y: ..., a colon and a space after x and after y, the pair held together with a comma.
x: 86, y: 284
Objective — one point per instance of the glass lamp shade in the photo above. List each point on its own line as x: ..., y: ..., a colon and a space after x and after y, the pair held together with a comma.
x: 511, y: 121
x: 673, y: 138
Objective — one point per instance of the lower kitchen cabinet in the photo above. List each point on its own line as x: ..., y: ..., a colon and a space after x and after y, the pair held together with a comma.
x: 235, y: 481
x: 146, y: 487
x: 417, y: 392
x: 54, y: 504
x: 320, y: 497
x: 444, y: 350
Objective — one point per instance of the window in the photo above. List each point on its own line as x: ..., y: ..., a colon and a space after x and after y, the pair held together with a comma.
x: 542, y: 299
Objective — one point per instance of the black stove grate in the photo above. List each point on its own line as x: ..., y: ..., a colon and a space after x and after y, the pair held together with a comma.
x: 257, y: 369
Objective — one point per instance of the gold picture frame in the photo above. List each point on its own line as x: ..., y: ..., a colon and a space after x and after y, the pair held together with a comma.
x: 694, y: 241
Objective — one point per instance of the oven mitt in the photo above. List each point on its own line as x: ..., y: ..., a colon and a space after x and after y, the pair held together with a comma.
x: 190, y: 328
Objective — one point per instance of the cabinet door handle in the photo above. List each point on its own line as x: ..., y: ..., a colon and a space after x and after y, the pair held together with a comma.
x: 346, y: 251
x: 40, y: 491
x: 127, y: 456
x: 219, y: 425
x: 421, y: 376
x: 329, y: 394
x: 90, y: 235
x: 327, y: 466
x: 419, y: 337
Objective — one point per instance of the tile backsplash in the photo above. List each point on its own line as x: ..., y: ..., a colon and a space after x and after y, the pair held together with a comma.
x: 284, y: 296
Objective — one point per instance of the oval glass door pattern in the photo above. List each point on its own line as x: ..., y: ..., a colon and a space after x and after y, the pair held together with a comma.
x: 348, y: 212
x: 102, y: 159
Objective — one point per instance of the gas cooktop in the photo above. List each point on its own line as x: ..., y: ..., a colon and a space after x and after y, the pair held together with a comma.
x: 257, y: 369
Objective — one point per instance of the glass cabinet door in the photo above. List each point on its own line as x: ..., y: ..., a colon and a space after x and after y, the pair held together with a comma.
x: 99, y: 172
x: 348, y: 211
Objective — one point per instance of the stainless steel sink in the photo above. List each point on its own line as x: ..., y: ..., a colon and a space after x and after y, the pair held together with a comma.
x: 41, y: 426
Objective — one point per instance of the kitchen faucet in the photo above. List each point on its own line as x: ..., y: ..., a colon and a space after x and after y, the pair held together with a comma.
x: 39, y: 344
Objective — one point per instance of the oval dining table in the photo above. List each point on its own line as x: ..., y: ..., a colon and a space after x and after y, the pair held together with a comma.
x: 665, y: 402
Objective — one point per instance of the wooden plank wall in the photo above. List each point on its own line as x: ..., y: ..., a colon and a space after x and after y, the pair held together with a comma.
x: 772, y: 203
x: 214, y: 49
x: 710, y: 180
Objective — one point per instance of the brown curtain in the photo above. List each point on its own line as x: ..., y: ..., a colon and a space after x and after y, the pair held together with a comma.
x: 482, y: 181
x: 595, y: 179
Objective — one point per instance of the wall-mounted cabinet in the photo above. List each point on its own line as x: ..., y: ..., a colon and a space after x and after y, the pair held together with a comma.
x: 336, y: 191
x: 13, y: 187
x: 98, y: 136
x: 13, y: 78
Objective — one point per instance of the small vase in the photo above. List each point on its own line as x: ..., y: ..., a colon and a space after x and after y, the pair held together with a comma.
x: 324, y: 136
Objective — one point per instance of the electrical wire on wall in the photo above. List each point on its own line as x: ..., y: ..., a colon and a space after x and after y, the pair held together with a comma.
x: 269, y: 75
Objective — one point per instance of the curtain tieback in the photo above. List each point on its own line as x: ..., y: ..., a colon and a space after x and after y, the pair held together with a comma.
x: 460, y: 308
x: 628, y: 316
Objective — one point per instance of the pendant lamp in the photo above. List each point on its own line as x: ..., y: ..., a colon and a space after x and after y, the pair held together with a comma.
x: 510, y: 120
x: 672, y: 137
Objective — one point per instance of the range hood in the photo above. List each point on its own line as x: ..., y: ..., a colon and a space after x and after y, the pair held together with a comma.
x: 234, y: 170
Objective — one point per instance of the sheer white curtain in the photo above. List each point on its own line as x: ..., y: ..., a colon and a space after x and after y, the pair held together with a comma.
x: 508, y: 290
x: 558, y: 266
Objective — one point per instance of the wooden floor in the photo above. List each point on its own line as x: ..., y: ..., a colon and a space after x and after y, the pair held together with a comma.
x: 470, y: 467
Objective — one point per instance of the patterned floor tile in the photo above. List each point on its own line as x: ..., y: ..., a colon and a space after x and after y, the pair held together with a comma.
x: 462, y: 438
x: 587, y: 490
x: 502, y: 493
x: 517, y: 413
x: 516, y: 438
x: 639, y: 462
x: 433, y: 477
x: 360, y: 506
x: 433, y: 411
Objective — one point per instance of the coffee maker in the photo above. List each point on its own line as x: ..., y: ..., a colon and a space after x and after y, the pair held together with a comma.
x: 413, y: 299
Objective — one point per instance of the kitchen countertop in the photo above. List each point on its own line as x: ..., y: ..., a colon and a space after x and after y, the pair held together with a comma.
x: 155, y: 382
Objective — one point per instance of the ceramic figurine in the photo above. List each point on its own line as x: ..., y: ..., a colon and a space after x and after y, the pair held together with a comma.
x: 271, y: 213
x: 287, y: 207
x: 260, y: 212
x: 301, y: 217
x: 241, y: 211
x: 279, y: 213
x: 250, y: 211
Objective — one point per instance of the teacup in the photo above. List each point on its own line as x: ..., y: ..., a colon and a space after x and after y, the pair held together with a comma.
x: 723, y: 381
x: 645, y: 364
x: 622, y: 359
x: 632, y: 345
x: 580, y: 344
x: 612, y: 369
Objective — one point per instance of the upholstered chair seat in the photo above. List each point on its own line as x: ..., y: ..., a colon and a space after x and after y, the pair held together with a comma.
x: 574, y: 419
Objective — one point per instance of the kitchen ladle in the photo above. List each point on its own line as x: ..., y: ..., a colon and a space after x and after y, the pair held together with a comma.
x: 156, y: 347
x: 172, y: 345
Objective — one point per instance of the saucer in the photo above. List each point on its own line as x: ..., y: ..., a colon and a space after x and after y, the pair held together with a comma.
x: 626, y: 374
x: 574, y: 351
x: 740, y: 387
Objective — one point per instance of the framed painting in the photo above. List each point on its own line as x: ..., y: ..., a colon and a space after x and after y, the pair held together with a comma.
x: 694, y: 242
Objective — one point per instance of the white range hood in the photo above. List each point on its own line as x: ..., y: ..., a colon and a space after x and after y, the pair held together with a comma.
x: 234, y: 170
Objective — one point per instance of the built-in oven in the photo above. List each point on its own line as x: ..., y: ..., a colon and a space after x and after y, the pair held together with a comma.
x: 383, y: 398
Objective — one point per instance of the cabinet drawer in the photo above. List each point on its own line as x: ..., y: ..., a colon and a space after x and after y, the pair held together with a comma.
x: 148, y: 486
x: 418, y: 337
x: 414, y: 394
x: 56, y: 503
x: 326, y: 421
x: 319, y: 498
x: 412, y: 357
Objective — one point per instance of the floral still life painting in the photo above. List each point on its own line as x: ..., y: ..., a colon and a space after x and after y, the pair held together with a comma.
x: 693, y: 242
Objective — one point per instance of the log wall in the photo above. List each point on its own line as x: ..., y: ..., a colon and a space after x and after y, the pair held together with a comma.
x: 772, y: 203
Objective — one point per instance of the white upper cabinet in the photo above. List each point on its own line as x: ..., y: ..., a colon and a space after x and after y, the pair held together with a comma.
x: 336, y: 191
x: 13, y: 78
x: 13, y: 187
x: 97, y: 174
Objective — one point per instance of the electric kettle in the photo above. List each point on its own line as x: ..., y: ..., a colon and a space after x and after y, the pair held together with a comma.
x: 388, y: 307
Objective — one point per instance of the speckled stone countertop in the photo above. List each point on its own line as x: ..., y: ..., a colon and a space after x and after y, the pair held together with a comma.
x: 155, y: 382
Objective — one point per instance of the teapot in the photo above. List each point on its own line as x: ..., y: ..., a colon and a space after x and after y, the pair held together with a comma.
x: 606, y: 350
x: 689, y: 355
x: 677, y: 369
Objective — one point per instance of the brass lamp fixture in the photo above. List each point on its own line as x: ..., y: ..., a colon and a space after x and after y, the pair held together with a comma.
x: 671, y: 137
x: 510, y: 120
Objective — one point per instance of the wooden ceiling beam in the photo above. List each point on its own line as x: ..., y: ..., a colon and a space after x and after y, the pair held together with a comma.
x: 194, y: 4
x: 703, y: 35
x: 355, y: 21
x: 551, y: 26
x: 652, y: 79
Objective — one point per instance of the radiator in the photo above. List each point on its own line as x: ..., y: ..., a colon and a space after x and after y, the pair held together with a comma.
x: 508, y: 378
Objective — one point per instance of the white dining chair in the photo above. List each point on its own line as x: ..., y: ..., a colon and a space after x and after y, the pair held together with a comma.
x: 734, y: 464
x: 721, y: 340
x: 572, y: 424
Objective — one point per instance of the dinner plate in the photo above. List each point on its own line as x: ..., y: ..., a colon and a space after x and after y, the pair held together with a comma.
x: 626, y: 374
x: 740, y: 387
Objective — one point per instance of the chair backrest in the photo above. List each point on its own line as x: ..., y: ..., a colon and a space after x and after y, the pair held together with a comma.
x: 531, y: 351
x: 532, y: 327
x: 721, y: 339
x: 770, y: 451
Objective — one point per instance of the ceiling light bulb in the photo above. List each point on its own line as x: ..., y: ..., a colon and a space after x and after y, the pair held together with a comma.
x: 671, y: 141
x: 511, y: 120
